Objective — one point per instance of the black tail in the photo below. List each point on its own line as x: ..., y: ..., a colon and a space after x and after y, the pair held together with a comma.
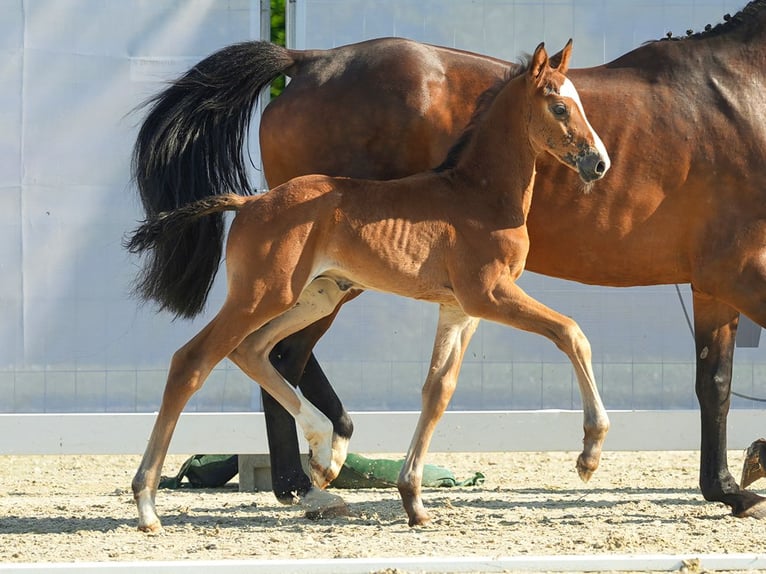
x: 191, y: 146
x: 193, y: 274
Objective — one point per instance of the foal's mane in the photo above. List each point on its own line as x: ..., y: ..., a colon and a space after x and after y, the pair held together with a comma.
x: 483, y: 103
x: 730, y: 23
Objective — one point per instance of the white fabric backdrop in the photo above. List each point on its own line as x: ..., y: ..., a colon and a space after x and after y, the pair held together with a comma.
x: 71, y: 72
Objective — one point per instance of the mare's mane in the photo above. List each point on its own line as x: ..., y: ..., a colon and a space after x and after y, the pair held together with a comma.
x: 483, y: 103
x: 730, y: 23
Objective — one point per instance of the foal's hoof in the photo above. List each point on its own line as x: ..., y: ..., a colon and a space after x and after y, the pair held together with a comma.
x: 148, y: 521
x: 413, y: 506
x: 322, y: 504
x: 585, y: 468
x: 153, y: 528
x: 419, y: 519
x: 323, y: 474
x: 755, y: 463
x: 339, y: 453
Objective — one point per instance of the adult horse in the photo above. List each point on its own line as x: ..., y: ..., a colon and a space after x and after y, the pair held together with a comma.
x: 693, y: 216
x: 455, y: 236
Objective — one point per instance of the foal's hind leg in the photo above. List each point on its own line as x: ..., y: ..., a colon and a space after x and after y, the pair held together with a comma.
x: 294, y: 360
x: 453, y: 334
x: 189, y: 368
x: 318, y: 299
x: 510, y: 305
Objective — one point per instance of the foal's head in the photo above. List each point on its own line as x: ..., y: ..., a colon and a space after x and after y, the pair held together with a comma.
x: 557, y: 122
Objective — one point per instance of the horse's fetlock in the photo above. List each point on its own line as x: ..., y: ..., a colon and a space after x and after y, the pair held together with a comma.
x: 344, y: 426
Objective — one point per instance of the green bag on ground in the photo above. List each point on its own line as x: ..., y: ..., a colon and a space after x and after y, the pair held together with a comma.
x: 204, y: 471
x: 361, y: 472
x: 215, y: 470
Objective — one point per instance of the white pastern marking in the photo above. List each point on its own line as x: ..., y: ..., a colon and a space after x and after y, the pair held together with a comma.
x: 569, y: 91
x: 317, y: 429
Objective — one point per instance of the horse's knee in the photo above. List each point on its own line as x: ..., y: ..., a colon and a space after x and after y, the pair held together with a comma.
x: 571, y: 339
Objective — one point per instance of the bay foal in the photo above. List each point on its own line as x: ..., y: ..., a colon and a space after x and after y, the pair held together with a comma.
x: 455, y: 236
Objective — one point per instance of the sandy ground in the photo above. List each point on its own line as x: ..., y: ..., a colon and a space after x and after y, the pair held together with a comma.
x: 67, y: 508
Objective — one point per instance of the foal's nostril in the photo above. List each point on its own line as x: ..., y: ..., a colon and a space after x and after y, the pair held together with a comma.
x: 592, y: 166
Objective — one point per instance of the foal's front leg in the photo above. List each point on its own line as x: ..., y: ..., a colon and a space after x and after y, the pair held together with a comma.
x: 510, y: 305
x: 453, y: 334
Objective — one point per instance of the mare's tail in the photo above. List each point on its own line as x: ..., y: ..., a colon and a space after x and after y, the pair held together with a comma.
x: 162, y: 281
x: 189, y: 147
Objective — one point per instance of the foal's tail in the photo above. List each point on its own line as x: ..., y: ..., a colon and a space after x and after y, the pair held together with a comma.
x: 190, y: 146
x: 164, y: 278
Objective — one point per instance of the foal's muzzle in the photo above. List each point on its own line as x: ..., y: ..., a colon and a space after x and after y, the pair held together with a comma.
x: 592, y: 166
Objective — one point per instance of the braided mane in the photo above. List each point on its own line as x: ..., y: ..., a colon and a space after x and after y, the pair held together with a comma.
x: 730, y: 23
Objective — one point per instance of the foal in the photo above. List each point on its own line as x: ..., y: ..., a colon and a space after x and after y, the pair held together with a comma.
x: 455, y: 236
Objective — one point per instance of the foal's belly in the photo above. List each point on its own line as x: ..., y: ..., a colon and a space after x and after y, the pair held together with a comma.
x: 421, y: 287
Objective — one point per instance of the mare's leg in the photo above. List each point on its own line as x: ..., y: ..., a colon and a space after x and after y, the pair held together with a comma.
x: 453, y: 334
x: 715, y: 328
x: 287, y: 476
x: 189, y: 368
x: 293, y: 358
x: 319, y: 299
x: 290, y: 483
x: 510, y: 305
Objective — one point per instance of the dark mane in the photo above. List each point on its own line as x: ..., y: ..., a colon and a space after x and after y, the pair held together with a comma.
x: 730, y: 23
x: 483, y: 102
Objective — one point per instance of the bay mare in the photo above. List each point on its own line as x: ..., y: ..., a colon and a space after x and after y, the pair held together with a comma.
x: 683, y: 202
x: 455, y: 236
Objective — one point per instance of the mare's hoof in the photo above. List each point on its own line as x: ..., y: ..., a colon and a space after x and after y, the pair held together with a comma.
x: 755, y: 463
x: 322, y: 504
x: 757, y: 510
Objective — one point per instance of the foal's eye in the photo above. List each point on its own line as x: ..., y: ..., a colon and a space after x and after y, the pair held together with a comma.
x: 559, y: 110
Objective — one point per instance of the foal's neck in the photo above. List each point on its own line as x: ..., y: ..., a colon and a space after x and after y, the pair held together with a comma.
x: 498, y: 164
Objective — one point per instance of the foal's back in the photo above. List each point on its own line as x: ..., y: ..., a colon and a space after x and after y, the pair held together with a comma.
x: 391, y: 236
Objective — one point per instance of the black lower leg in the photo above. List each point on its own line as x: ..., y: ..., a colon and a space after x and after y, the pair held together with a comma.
x: 288, y: 479
x: 715, y: 332
x: 319, y: 391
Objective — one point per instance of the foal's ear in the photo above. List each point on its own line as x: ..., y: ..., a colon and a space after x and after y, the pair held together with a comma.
x: 539, y: 62
x: 566, y: 54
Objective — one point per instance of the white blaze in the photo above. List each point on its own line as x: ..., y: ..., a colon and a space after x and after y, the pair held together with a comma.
x: 568, y: 91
